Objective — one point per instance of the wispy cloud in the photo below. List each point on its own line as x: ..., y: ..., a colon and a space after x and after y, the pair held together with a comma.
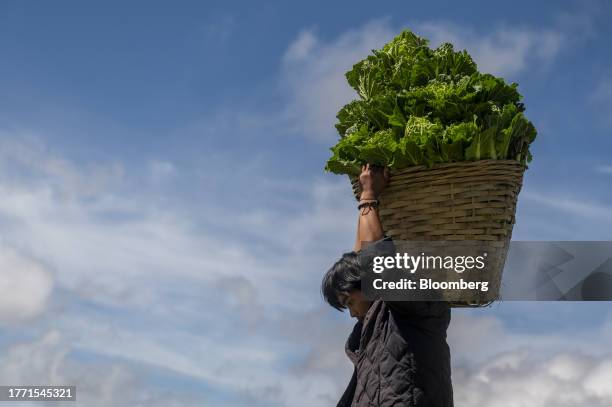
x: 313, y: 69
x: 116, y: 245
x: 578, y: 209
x: 605, y: 169
x: 548, y: 367
x: 313, y: 76
x: 49, y: 359
x: 519, y: 378
x: 504, y: 51
x: 25, y: 286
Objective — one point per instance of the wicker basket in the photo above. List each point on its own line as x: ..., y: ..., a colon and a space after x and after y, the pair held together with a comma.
x: 463, y: 201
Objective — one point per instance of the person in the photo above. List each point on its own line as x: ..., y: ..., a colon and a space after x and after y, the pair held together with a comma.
x: 398, y: 349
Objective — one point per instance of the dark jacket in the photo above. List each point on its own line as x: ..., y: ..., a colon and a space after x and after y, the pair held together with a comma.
x: 401, y: 357
x: 400, y: 353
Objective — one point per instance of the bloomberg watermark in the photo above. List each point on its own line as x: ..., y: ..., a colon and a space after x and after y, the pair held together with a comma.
x: 479, y: 272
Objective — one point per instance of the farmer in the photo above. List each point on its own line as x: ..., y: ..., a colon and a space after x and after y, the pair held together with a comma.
x: 398, y: 349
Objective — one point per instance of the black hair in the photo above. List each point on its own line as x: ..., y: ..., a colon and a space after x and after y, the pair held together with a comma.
x: 343, y: 277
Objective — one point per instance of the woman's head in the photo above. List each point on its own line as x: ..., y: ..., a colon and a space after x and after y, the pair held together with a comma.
x: 341, y: 286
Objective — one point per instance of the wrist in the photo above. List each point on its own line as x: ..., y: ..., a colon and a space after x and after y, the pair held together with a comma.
x: 368, y: 195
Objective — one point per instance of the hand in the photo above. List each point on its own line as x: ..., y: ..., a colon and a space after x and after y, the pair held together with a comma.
x: 373, y: 180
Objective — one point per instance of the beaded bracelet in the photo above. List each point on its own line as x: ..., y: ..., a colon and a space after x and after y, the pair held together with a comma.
x: 367, y: 202
x: 367, y: 205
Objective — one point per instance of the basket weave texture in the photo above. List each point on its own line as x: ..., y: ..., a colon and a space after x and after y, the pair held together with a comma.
x: 463, y: 201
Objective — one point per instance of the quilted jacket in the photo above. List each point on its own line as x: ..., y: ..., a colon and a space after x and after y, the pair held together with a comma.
x: 401, y: 357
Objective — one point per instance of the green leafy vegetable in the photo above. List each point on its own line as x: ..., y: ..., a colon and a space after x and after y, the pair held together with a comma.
x: 419, y: 105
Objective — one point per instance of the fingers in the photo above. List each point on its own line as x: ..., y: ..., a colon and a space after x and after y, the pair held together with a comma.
x: 373, y: 167
x: 376, y: 169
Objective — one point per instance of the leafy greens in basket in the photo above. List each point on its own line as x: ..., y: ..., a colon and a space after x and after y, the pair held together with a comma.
x: 419, y: 106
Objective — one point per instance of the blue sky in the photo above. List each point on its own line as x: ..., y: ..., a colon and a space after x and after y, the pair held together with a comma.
x: 166, y: 220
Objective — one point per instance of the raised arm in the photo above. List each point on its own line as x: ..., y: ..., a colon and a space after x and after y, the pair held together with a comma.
x: 373, y: 181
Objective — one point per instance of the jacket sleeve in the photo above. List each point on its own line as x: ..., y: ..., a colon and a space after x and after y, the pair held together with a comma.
x: 382, y: 247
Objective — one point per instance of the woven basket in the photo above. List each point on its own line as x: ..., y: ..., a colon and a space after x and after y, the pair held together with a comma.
x: 463, y: 201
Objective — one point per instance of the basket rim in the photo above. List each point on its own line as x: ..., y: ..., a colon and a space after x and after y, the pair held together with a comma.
x: 472, y: 163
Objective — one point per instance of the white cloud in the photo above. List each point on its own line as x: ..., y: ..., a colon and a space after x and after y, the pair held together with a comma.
x: 25, y: 286
x: 313, y: 69
x: 48, y: 360
x: 301, y: 48
x: 236, y: 362
x: 598, y: 381
x: 497, y: 367
x: 518, y: 378
x: 579, y: 209
x: 95, y: 230
x: 28, y: 155
x: 100, y: 228
x: 113, y: 246
x: 476, y: 336
x: 504, y: 51
x: 313, y: 75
